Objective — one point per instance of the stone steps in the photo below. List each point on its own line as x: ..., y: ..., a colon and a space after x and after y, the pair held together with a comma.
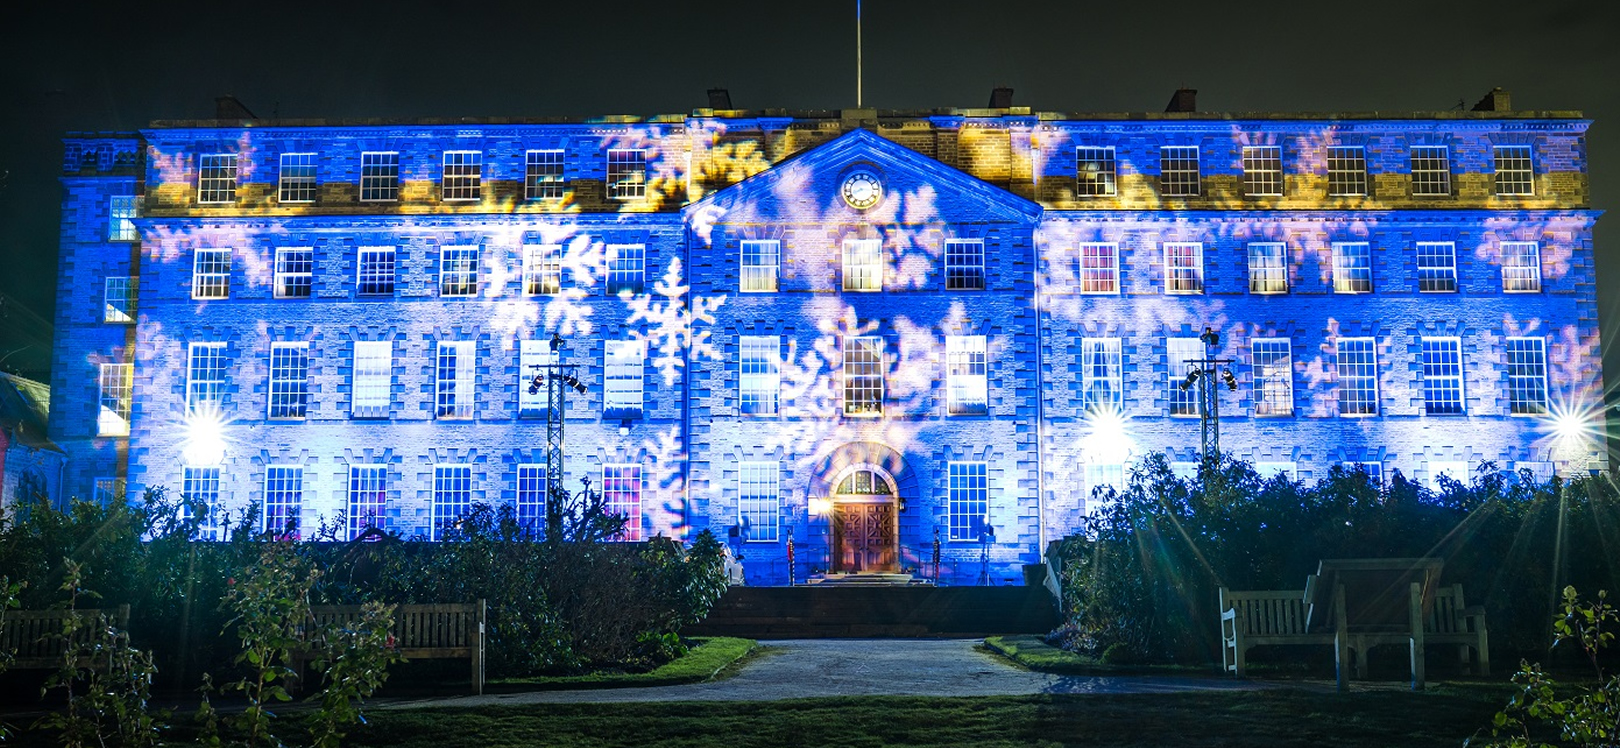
x: 869, y: 609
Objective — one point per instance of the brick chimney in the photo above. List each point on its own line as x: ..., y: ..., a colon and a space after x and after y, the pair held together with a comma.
x: 719, y: 98
x: 1495, y: 101
x: 1184, y: 100
x: 227, y: 107
x: 1000, y: 97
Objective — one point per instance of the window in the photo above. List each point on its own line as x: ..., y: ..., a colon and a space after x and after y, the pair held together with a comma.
x: 458, y: 271
x: 1102, y: 374
x: 119, y: 299
x: 368, y: 498
x: 205, y: 374
x: 455, y: 379
x: 863, y: 264
x: 625, y: 368
x: 966, y: 375
x: 1513, y: 172
x: 542, y: 269
x: 1442, y: 376
x: 1431, y: 170
x: 289, y: 380
x: 1183, y: 267
x: 531, y: 499
x: 121, y: 215
x: 759, y: 374
x: 1437, y: 267
x: 1178, y: 170
x: 1352, y: 267
x: 1273, y: 376
x: 543, y: 175
x: 1269, y: 470
x: 1540, y: 472
x: 626, y: 173
x: 1262, y: 170
x: 1187, y: 471
x: 452, y: 497
x: 1456, y: 470
x: 864, y: 482
x: 533, y: 358
x: 1374, y: 470
x: 1180, y: 355
x: 1099, y: 268
x: 199, y: 486
x: 1094, y: 171
x: 109, y: 491
x: 1521, y: 267
x: 621, y: 492
x: 216, y: 178
x: 1104, y: 475
x: 297, y: 178
x: 116, y: 383
x: 1268, y: 267
x: 295, y: 269
x: 969, y: 499
x: 283, y: 497
x: 211, y: 274
x: 863, y: 376
x: 379, y: 177
x: 373, y: 378
x: 759, y: 502
x: 964, y: 265
x: 761, y: 260
x: 626, y: 267
x: 376, y: 271
x: 1527, y: 376
x: 1347, y: 171
x: 1358, y: 377
x: 463, y: 175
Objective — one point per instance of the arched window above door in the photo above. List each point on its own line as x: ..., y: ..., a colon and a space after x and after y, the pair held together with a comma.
x: 865, y: 482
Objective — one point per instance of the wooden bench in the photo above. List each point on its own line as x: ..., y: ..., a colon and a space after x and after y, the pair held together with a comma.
x: 35, y: 635
x: 421, y: 632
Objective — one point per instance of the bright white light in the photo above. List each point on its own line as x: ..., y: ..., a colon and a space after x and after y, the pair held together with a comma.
x: 204, y: 442
x: 1108, y: 436
x: 820, y: 507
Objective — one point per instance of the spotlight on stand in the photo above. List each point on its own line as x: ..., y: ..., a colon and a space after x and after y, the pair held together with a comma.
x: 624, y: 427
x: 1231, y: 381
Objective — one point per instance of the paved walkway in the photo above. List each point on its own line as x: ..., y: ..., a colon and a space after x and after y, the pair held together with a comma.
x: 863, y: 667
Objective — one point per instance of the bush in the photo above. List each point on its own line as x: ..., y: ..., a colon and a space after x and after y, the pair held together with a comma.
x: 1589, y: 716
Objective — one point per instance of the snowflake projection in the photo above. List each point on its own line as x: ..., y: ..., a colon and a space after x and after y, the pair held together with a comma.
x: 674, y: 321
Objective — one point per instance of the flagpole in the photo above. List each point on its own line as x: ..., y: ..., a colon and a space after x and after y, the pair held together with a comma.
x: 857, y: 54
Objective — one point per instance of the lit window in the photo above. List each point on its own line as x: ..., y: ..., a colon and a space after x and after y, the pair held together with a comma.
x: 289, y: 380
x: 119, y: 299
x: 1181, y: 357
x: 1437, y: 267
x: 1262, y: 170
x: 1269, y: 470
x: 379, y: 177
x: 1273, y: 377
x: 211, y: 274
x: 1099, y: 268
x: 626, y: 173
x: 1178, y: 170
x: 283, y: 499
x: 1374, y: 470
x: 542, y: 269
x: 216, y: 178
x: 621, y: 493
x: 625, y: 371
x: 626, y: 268
x: 863, y: 376
x: 1431, y: 170
x: 1347, y: 171
x: 1183, y: 267
x: 759, y: 374
x: 1456, y: 470
x: 1187, y: 471
x: 1094, y: 171
x: 1527, y: 376
x: 1352, y: 267
x: 375, y: 274
x: 1103, y: 475
x: 531, y: 499
x: 110, y: 491
x: 543, y: 175
x: 1442, y: 376
x: 458, y: 271
x: 373, y: 378
x: 1357, y: 370
x: 533, y: 358
x: 452, y: 497
x: 969, y: 498
x: 759, y: 500
x: 454, y: 371
x: 964, y: 265
x: 116, y: 383
x: 368, y: 498
x: 1102, y: 373
x: 1540, y: 472
x: 1268, y: 267
x: 297, y: 178
x: 121, y: 215
x: 966, y: 375
x: 205, y: 374
x: 761, y: 260
x: 199, y: 486
x: 863, y: 264
x: 1513, y: 172
x: 1521, y: 267
x: 295, y: 269
x: 463, y: 175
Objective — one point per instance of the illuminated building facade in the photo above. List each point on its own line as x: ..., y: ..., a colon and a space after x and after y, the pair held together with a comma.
x: 860, y: 329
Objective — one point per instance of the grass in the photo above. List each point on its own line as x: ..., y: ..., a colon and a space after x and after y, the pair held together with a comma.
x: 709, y: 658
x: 1031, y: 652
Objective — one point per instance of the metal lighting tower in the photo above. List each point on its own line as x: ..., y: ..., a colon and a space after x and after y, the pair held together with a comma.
x: 1202, y: 374
x: 556, y: 377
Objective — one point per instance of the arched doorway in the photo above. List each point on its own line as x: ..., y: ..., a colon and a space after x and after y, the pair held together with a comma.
x: 865, y: 527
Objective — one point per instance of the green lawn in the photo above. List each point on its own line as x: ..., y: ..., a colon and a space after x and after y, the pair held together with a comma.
x: 702, y: 662
x: 1035, y: 654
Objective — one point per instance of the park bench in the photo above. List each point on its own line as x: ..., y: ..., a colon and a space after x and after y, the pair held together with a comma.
x: 421, y: 632
x: 34, y: 635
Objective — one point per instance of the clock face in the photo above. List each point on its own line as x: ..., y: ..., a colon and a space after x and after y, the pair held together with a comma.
x: 862, y: 190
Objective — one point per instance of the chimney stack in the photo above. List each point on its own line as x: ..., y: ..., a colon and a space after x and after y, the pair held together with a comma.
x: 1495, y: 101
x: 1001, y: 97
x: 719, y: 98
x: 227, y: 107
x: 1184, y: 100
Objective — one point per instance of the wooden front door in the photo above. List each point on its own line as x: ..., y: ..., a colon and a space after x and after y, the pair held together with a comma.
x: 864, y: 537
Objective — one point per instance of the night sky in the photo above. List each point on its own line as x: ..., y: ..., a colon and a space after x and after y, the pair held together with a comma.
x: 87, y: 67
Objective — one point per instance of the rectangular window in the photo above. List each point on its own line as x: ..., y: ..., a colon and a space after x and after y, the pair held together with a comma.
x: 295, y: 271
x: 1262, y: 170
x: 458, y: 271
x: 1431, y: 170
x: 863, y: 264
x: 625, y: 369
x: 368, y: 498
x: 1183, y: 267
x: 1273, y: 376
x: 216, y: 178
x: 463, y: 175
x: 373, y: 378
x: 119, y: 299
x: 1374, y: 470
x: 533, y: 358
x: 211, y: 274
x: 626, y: 173
x: 1357, y: 371
x: 969, y: 498
x: 626, y: 268
x: 375, y: 274
x: 1103, y: 475
x: 1540, y: 472
x: 1099, y: 268
x: 1456, y: 470
x: 1347, y: 171
x: 1437, y: 267
x: 1521, y: 267
x: 761, y: 260
x: 283, y: 498
x: 1102, y: 373
x: 759, y: 374
x: 863, y: 376
x: 1094, y: 171
x: 1352, y: 267
x: 452, y: 498
x: 542, y: 269
x: 1180, y: 357
x: 531, y: 499
x: 1514, y: 175
x: 543, y: 175
x: 1442, y: 376
x: 1187, y: 471
x: 289, y: 380
x: 1178, y: 170
x: 121, y: 215
x: 379, y: 177
x: 1269, y: 470
x: 759, y: 500
x: 964, y: 265
x: 454, y: 370
x: 199, y: 486
x: 205, y: 374
x: 110, y: 491
x: 621, y: 492
x: 966, y: 375
x: 117, y: 381
x: 1527, y: 376
x: 297, y: 178
x: 1268, y: 267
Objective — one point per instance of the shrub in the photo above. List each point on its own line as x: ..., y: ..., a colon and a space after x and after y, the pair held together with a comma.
x: 1589, y: 716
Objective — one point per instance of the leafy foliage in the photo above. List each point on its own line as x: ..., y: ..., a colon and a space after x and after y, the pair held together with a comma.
x: 1588, y: 717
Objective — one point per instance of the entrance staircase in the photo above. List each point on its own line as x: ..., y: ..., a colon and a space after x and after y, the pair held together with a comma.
x: 864, y: 606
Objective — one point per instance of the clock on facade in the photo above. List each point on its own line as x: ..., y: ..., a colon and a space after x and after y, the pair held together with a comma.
x: 862, y: 190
